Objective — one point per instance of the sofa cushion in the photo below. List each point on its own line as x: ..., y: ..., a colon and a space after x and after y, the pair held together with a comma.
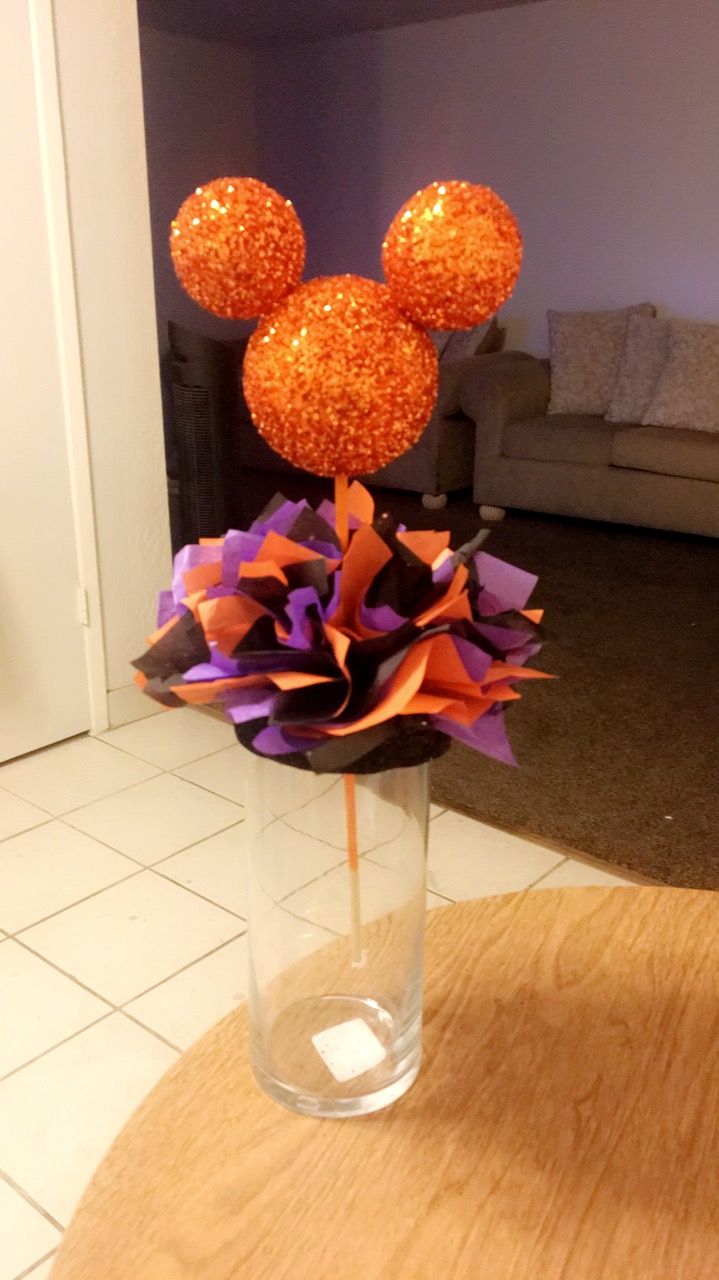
x: 455, y: 374
x: 687, y: 393
x: 646, y: 347
x: 586, y: 351
x: 668, y: 451
x: 560, y: 437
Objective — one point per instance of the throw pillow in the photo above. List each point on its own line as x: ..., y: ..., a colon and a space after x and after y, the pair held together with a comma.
x: 459, y: 344
x: 585, y: 353
x: 646, y: 346
x: 687, y: 394
x: 440, y: 338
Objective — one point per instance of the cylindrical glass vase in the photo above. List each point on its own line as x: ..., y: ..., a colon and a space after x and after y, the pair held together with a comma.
x: 337, y: 870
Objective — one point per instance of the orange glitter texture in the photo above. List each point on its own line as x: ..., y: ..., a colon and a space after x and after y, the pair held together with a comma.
x: 237, y: 247
x: 337, y: 380
x: 452, y: 255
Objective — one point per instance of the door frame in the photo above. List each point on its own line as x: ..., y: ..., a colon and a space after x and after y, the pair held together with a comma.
x: 55, y: 196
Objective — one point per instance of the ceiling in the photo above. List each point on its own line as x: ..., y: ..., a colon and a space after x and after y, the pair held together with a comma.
x: 258, y: 23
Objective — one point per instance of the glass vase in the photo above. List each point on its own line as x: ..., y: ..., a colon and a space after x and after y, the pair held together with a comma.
x: 337, y: 870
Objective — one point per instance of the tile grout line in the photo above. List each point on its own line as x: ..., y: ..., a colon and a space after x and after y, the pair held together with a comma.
x: 140, y: 867
x: 147, y: 866
x: 119, y: 1008
x: 159, y: 770
x: 39, y: 956
x: 132, y: 875
x: 117, y: 792
x: 544, y: 874
x: 35, y: 1205
x: 158, y: 1035
x: 159, y: 773
x: 58, y: 817
x: 27, y: 1275
x: 203, y: 897
x: 174, y: 773
x: 35, y: 826
x: 450, y: 901
x: 65, y: 1040
x: 164, y: 768
x: 112, y: 1009
x: 220, y: 946
x: 152, y: 866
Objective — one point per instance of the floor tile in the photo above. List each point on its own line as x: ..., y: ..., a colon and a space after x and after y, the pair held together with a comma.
x: 154, y: 819
x: 128, y: 704
x: 42, y: 1272
x: 172, y: 739
x: 24, y: 1234
x: 132, y: 936
x: 469, y: 859
x: 38, y: 1006
x: 309, y: 804
x: 284, y: 939
x: 17, y: 815
x: 215, y: 868
x: 326, y: 902
x: 72, y: 774
x: 59, y: 1114
x: 435, y: 811
x: 380, y: 819
x: 224, y: 773
x: 290, y: 859
x: 572, y: 874
x: 52, y: 867
x: 186, y: 1006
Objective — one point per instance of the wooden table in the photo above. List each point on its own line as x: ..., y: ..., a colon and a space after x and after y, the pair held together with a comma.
x: 565, y: 1125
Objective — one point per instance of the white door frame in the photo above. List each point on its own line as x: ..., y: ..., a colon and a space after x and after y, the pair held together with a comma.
x: 52, y: 150
x: 99, y: 87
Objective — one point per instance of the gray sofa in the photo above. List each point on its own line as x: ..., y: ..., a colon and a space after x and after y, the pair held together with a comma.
x: 442, y: 461
x: 576, y: 465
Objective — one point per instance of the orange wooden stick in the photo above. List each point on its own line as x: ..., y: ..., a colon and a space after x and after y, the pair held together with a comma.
x: 351, y: 811
x: 342, y: 514
x: 342, y: 519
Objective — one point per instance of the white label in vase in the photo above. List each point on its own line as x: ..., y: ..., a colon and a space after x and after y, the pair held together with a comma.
x: 349, y: 1049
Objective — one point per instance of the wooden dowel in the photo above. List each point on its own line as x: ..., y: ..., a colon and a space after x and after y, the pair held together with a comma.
x: 343, y: 533
x: 342, y: 515
x: 353, y: 867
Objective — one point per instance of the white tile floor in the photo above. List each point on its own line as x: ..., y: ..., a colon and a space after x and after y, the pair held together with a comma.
x: 122, y: 922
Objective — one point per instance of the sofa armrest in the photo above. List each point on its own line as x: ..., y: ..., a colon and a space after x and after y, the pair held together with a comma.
x: 508, y: 391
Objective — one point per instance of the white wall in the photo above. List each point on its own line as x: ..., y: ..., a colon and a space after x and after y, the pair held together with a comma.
x: 199, y: 124
x: 101, y: 98
x: 597, y: 120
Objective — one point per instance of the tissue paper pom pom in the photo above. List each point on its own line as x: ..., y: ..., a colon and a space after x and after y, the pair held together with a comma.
x: 237, y: 247
x: 452, y: 255
x: 359, y: 659
x: 337, y: 380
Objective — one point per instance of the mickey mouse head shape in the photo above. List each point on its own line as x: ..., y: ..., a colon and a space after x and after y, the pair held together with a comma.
x: 340, y: 375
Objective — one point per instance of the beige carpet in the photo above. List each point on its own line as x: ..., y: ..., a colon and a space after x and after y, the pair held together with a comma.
x: 619, y: 758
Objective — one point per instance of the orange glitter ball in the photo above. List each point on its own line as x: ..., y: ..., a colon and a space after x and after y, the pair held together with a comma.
x: 452, y: 255
x: 337, y: 380
x: 237, y: 247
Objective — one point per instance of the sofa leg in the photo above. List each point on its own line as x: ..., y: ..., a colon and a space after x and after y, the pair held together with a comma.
x: 491, y: 513
x: 434, y: 501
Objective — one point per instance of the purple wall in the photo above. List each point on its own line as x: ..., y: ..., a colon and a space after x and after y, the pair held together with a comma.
x: 199, y: 124
x: 597, y: 121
